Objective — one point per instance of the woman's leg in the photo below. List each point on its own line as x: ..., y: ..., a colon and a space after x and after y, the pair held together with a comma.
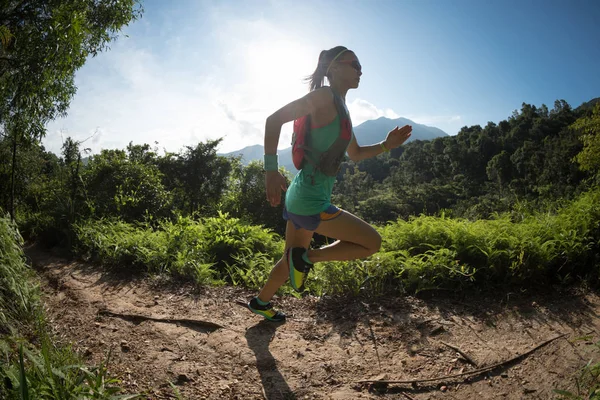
x: 280, y: 273
x: 355, y: 239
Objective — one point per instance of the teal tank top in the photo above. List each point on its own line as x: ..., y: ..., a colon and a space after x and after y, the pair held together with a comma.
x: 310, y: 190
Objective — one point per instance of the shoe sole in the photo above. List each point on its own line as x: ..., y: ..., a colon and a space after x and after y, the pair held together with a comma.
x: 257, y: 312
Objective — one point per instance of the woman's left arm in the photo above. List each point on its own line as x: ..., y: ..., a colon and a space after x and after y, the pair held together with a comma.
x: 395, y: 138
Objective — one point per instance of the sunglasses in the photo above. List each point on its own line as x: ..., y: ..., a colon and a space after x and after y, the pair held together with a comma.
x: 353, y: 63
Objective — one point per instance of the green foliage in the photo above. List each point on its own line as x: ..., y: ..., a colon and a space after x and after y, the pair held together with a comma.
x: 587, y: 381
x: 537, y: 248
x: 44, y: 43
x: 118, y: 186
x: 53, y: 373
x: 517, y: 249
x: 425, y: 252
x: 589, y: 127
x: 245, y: 197
x: 18, y: 299
x: 35, y: 368
x: 527, y: 157
x: 204, y: 250
x: 203, y: 176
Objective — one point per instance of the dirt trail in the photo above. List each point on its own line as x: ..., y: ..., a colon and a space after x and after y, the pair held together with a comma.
x: 325, y: 347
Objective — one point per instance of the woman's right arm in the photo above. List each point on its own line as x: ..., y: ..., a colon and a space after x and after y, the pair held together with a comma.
x: 308, y: 104
x: 305, y: 105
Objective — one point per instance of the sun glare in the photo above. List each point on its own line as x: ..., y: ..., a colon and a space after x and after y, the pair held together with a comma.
x: 280, y: 65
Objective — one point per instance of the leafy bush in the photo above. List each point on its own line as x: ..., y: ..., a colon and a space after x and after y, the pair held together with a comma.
x: 424, y: 252
x: 26, y: 370
x: 204, y: 250
x: 18, y: 298
x: 539, y: 248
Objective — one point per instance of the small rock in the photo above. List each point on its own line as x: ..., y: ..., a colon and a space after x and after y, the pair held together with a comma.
x: 125, y: 346
x: 437, y: 330
x: 444, y: 388
x: 182, y: 378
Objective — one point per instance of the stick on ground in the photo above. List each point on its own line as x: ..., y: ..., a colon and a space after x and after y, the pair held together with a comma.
x: 474, y: 372
x: 462, y: 353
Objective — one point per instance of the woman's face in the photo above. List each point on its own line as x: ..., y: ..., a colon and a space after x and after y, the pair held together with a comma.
x: 348, y: 70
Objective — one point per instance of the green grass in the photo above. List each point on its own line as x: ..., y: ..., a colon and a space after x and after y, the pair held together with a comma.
x: 213, y: 250
x: 425, y: 252
x: 31, y: 365
x: 587, y: 381
x: 18, y: 298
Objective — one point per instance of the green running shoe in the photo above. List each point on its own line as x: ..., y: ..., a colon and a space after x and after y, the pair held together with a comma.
x: 298, y: 267
x: 266, y: 311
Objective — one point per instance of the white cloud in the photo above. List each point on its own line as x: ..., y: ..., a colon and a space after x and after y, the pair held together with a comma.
x: 134, y: 94
x: 183, y: 93
x: 361, y: 111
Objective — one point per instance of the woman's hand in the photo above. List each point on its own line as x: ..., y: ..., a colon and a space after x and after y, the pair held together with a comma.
x: 275, y: 182
x: 397, y: 136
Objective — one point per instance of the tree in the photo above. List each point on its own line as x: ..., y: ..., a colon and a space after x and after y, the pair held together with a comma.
x: 203, y: 175
x: 118, y: 187
x: 43, y: 43
x: 245, y: 196
x: 589, y: 128
x: 499, y: 169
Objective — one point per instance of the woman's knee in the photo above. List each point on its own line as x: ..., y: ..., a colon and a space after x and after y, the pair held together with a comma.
x: 373, y: 244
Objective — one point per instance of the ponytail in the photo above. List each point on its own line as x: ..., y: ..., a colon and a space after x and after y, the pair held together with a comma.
x: 317, y: 79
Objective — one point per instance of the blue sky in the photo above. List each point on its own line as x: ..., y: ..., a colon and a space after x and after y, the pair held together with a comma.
x: 193, y: 70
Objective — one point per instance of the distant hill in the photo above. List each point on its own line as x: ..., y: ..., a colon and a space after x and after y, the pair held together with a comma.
x: 374, y: 131
x: 589, y: 105
x: 369, y: 132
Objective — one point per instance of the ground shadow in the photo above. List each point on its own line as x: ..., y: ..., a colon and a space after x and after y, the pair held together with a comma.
x: 93, y: 274
x: 274, y: 385
x: 417, y: 319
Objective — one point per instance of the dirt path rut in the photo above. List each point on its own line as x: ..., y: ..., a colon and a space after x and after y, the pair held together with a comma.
x: 210, y: 348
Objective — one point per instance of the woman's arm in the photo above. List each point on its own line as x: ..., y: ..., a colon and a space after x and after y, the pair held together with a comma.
x: 305, y: 105
x: 274, y: 181
x: 395, y: 138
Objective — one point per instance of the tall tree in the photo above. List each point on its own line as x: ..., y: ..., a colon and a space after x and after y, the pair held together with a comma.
x: 204, y: 175
x: 44, y: 42
x: 589, y: 127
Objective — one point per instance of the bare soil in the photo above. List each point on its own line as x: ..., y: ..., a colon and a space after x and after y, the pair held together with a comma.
x: 327, y: 346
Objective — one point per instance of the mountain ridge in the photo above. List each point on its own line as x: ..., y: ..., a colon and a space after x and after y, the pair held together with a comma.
x: 369, y: 132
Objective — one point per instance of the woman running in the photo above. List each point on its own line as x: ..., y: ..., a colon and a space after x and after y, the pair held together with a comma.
x: 308, y: 207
